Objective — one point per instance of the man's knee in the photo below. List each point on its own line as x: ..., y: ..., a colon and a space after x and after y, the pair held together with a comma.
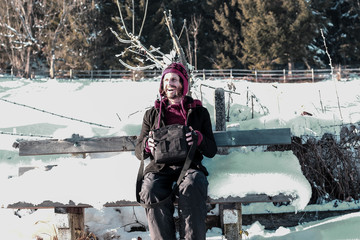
x: 195, y: 183
x: 154, y: 188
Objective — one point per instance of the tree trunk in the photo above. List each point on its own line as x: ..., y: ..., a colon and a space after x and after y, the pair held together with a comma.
x: 52, y: 65
x: 27, y: 63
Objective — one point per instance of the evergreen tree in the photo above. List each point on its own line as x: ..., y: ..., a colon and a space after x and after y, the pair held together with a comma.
x: 227, y: 36
x: 77, y: 38
x: 276, y: 32
x: 341, y: 31
x: 68, y: 33
x: 104, y: 44
x: 261, y: 46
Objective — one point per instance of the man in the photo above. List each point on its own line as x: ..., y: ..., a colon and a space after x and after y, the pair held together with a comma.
x: 175, y: 107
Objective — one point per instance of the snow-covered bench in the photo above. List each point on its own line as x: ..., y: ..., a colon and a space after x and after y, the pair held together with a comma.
x: 231, y: 181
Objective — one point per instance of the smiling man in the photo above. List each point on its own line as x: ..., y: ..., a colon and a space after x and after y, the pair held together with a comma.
x: 173, y: 87
x: 175, y: 107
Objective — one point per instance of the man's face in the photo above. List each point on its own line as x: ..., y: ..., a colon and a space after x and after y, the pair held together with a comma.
x: 172, y: 86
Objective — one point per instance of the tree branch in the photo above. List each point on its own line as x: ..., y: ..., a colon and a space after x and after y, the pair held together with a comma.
x: 143, y: 22
x: 175, y: 39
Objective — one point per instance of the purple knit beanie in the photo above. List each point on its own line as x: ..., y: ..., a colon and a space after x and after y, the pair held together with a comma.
x: 180, y: 70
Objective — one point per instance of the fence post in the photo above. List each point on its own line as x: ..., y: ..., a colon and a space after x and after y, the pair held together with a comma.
x: 312, y: 75
x: 12, y: 73
x: 256, y: 76
x: 204, y: 74
x: 220, y: 116
x: 71, y: 74
x: 70, y: 222
x: 110, y: 72
x: 252, y: 106
x: 284, y: 71
x: 231, y: 219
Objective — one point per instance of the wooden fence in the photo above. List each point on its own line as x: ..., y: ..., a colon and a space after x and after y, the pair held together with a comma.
x: 312, y: 75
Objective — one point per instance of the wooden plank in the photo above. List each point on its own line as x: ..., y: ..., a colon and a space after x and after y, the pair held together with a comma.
x: 123, y: 203
x: 78, y: 145
x: 46, y: 204
x: 253, y: 198
x: 253, y: 137
x: 83, y: 145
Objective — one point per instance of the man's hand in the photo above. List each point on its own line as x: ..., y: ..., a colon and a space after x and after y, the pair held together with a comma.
x: 151, y: 143
x: 189, y: 136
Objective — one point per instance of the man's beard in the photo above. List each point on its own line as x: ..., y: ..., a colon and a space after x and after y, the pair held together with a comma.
x: 175, y: 94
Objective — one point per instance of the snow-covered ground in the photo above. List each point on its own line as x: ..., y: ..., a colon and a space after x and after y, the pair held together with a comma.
x: 58, y: 109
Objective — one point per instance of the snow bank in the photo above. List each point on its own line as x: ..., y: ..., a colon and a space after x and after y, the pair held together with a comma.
x: 100, y: 178
x: 121, y: 105
x: 271, y: 173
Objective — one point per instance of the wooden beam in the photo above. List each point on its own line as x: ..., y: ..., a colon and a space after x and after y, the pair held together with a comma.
x: 250, y: 198
x: 81, y: 145
x: 78, y: 145
x: 253, y: 137
x: 253, y: 198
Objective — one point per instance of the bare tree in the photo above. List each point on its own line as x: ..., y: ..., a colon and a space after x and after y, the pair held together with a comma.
x: 189, y: 52
x: 51, y: 33
x: 17, y: 34
x: 144, y: 54
x: 65, y: 32
x: 194, y: 27
x: 60, y: 12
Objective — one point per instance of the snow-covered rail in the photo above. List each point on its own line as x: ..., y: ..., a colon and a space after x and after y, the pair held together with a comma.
x: 78, y: 145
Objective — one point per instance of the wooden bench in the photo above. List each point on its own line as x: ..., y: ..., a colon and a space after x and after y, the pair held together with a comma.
x: 79, y: 145
x: 74, y: 213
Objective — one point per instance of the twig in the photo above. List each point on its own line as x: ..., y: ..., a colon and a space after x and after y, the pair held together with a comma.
x: 332, y: 73
x: 322, y: 108
x: 143, y: 22
x: 135, y: 42
x: 118, y: 116
x: 121, y: 17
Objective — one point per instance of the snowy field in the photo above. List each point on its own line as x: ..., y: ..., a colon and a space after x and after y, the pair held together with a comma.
x: 57, y: 109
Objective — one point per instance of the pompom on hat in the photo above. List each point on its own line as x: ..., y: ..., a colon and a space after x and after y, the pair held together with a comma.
x: 180, y: 70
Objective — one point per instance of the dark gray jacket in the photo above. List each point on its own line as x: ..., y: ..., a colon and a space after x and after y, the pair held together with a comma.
x: 197, y: 117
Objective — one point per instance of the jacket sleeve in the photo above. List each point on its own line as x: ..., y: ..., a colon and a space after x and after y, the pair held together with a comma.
x: 208, y: 145
x: 140, y: 152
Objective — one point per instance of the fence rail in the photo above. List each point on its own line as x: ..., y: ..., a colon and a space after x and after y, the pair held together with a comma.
x: 312, y: 75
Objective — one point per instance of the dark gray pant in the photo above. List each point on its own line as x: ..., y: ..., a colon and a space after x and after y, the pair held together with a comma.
x: 192, y: 205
